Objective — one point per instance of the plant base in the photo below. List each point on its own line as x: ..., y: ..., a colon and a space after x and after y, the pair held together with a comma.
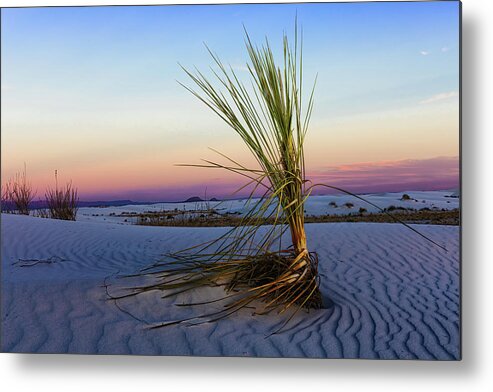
x: 274, y: 281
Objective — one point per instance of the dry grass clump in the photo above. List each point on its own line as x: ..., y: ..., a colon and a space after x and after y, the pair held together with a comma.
x: 18, y: 194
x: 62, y: 203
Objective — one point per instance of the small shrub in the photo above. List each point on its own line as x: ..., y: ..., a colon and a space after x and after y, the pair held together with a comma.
x: 62, y: 203
x: 333, y: 204
x: 405, y: 196
x: 20, y: 193
x: 349, y: 205
x: 362, y: 210
x: 394, y: 208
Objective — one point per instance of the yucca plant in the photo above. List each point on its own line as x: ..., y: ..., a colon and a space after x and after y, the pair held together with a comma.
x: 253, y: 263
x: 257, y: 265
x: 271, y: 121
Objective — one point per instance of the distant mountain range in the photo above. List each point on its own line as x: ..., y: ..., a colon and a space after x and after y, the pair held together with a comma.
x: 117, y: 203
x: 194, y: 199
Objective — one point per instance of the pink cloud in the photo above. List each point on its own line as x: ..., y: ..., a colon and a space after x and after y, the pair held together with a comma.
x: 392, y: 176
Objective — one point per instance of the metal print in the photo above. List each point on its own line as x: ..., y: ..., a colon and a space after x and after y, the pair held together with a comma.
x: 266, y: 180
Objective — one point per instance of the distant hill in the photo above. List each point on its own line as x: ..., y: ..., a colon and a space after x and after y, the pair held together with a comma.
x: 192, y: 199
x: 197, y: 199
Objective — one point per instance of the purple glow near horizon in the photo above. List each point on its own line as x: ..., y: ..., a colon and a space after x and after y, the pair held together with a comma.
x: 390, y: 176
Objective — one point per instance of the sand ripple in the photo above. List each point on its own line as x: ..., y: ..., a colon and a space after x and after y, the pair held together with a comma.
x: 395, y: 295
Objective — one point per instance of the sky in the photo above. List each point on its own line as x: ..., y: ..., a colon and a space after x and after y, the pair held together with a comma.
x: 93, y: 93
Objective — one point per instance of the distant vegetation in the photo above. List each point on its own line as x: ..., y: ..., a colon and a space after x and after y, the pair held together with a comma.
x: 212, y: 218
x: 18, y: 195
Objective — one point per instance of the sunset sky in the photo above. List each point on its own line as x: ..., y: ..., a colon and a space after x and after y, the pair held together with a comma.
x: 93, y: 93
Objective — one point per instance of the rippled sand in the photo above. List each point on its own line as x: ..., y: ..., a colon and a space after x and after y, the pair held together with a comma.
x: 394, y: 294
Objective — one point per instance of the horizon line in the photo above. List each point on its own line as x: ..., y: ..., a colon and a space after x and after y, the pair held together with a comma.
x: 216, y: 199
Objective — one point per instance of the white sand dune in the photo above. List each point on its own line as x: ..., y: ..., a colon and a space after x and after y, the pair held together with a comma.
x: 315, y: 205
x: 395, y: 294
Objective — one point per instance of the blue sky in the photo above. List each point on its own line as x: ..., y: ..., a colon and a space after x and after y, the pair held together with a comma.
x: 95, y: 88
